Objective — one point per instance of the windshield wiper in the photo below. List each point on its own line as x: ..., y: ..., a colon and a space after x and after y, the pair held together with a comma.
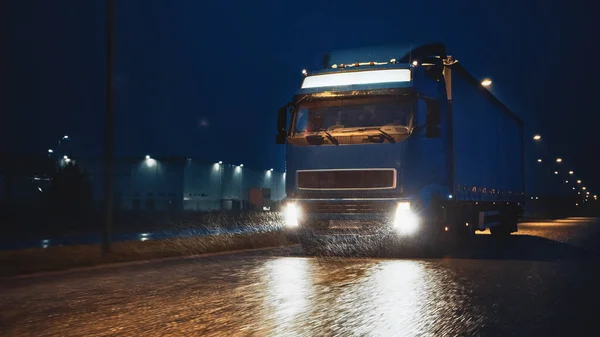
x: 331, y: 138
x: 385, y: 135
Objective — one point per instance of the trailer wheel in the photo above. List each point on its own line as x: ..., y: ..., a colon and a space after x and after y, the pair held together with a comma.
x: 500, y: 231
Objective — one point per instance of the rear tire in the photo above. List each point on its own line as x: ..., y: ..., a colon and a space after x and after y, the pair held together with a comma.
x: 500, y: 231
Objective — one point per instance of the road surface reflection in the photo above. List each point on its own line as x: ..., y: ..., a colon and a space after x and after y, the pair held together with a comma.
x: 367, y: 298
x: 533, y: 286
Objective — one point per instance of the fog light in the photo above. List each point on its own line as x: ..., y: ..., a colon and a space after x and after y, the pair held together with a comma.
x: 405, y: 221
x: 291, y: 214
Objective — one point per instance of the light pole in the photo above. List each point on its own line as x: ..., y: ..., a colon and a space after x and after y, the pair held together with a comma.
x: 221, y: 188
x: 108, y: 136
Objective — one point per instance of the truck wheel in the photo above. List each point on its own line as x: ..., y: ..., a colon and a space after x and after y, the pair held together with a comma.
x: 500, y: 231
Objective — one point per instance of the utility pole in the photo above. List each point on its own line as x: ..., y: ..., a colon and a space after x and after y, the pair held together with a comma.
x: 108, y: 136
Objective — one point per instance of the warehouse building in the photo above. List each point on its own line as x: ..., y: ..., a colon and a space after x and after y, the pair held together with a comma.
x: 179, y: 183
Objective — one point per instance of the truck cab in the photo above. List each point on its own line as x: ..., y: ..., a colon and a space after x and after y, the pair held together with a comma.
x: 370, y: 147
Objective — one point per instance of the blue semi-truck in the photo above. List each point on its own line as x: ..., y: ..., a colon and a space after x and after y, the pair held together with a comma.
x: 399, y: 142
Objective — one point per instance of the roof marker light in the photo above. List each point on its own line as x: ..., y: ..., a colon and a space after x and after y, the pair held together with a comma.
x: 357, y: 77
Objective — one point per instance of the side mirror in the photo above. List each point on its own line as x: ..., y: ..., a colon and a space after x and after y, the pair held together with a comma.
x: 433, y: 119
x: 433, y: 113
x: 432, y: 132
x: 281, y: 136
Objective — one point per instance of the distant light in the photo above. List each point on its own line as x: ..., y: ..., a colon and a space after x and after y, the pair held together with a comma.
x: 220, y: 162
x: 576, y: 204
x: 415, y: 63
x: 449, y: 196
x: 573, y: 187
x: 579, y: 181
x: 536, y: 198
x: 555, y: 172
x: 537, y: 137
x: 68, y: 160
x: 357, y: 77
x: 486, y: 82
x: 66, y: 137
x: 531, y: 198
x: 578, y: 192
x: 39, y: 188
x: 588, y: 192
x: 241, y: 165
x: 539, y: 160
x: 559, y: 160
x: 304, y: 72
x: 65, y: 157
x: 566, y: 181
x: 50, y: 151
x: 571, y: 172
x: 271, y: 169
x: 147, y: 156
x: 583, y: 188
x: 595, y: 196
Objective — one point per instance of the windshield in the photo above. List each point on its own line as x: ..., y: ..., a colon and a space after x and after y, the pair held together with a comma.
x: 353, y: 113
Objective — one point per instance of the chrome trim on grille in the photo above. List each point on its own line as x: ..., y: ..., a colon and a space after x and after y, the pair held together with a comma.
x: 393, y: 185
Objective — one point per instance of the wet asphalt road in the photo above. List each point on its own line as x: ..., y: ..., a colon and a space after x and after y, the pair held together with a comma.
x: 544, y: 283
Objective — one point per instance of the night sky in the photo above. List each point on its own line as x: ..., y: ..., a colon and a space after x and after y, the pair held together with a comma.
x: 205, y: 79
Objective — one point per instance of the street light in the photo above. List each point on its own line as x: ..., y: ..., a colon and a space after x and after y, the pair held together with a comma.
x: 50, y: 151
x: 537, y: 137
x: 241, y: 165
x: 559, y: 160
x: 486, y: 82
x: 539, y: 160
x: 555, y: 172
x: 579, y: 181
x: 220, y: 162
x: 583, y: 188
x: 571, y: 172
x: 147, y: 156
x: 65, y: 137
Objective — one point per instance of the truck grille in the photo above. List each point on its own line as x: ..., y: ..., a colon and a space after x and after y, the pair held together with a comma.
x: 347, y: 179
x: 364, y: 207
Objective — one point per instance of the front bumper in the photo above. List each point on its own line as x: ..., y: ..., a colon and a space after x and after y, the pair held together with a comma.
x: 348, y: 217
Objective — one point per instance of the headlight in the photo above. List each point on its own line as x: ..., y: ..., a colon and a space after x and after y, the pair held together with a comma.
x: 405, y: 221
x: 291, y: 214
